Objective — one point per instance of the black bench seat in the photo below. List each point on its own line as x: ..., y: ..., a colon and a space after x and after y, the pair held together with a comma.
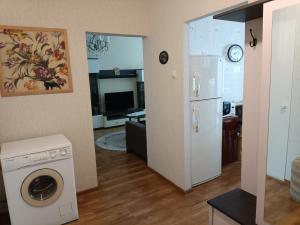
x: 238, y: 205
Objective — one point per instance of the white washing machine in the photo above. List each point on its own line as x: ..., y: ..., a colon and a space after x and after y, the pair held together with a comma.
x: 39, y: 181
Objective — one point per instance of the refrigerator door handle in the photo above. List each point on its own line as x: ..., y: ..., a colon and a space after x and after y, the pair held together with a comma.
x: 198, y: 87
x: 196, y: 84
x: 195, y: 121
x: 197, y: 126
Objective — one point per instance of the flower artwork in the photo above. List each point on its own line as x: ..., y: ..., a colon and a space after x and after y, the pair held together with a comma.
x: 34, y: 61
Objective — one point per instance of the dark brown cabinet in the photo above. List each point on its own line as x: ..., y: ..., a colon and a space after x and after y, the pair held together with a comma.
x: 140, y: 95
x: 95, y: 100
x: 230, y: 140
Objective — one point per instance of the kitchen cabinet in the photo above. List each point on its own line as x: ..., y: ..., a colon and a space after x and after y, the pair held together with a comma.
x: 230, y: 140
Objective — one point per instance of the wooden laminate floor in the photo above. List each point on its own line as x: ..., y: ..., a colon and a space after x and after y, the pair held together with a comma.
x: 129, y: 193
x: 280, y: 209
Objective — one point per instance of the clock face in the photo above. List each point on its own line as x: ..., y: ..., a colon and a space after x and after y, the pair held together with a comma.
x: 235, y: 53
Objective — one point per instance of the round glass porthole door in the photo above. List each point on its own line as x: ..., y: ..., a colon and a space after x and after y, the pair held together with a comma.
x: 42, y: 187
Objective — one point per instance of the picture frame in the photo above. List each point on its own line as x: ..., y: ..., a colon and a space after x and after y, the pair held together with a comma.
x: 34, y: 61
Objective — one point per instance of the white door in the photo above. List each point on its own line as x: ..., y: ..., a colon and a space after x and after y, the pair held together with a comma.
x: 206, y: 77
x: 294, y: 128
x: 206, y: 140
x: 284, y: 104
x: 281, y: 55
x: 283, y: 41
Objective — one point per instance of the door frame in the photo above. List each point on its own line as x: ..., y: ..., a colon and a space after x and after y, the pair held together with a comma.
x: 144, y: 38
x: 187, y: 114
x: 265, y: 100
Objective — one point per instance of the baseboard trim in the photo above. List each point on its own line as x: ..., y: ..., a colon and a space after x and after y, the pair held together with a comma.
x: 170, y: 182
x: 87, y: 191
x: 79, y: 193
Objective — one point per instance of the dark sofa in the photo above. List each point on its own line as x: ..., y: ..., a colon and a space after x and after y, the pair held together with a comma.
x: 136, y: 139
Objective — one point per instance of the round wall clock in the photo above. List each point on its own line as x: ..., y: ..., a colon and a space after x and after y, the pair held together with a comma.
x: 235, y: 53
x: 163, y: 57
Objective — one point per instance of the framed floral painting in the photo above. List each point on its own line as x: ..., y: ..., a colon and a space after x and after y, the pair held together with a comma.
x: 34, y: 61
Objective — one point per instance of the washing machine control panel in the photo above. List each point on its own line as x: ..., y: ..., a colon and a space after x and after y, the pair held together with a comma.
x: 36, y: 158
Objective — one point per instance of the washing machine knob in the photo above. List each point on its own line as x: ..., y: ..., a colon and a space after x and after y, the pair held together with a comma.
x: 52, y: 155
x: 63, y: 152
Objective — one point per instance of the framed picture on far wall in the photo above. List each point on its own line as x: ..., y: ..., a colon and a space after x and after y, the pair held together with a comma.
x: 34, y: 61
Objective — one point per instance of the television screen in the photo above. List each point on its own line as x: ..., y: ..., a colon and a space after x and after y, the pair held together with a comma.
x: 119, y: 101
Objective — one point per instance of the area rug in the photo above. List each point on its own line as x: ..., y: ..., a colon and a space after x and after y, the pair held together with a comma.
x: 113, y: 141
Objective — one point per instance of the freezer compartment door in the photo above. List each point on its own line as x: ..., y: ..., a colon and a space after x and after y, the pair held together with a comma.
x: 206, y: 77
x: 206, y: 140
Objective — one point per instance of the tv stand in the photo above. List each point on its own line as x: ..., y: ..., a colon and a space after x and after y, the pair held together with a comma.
x: 113, y: 119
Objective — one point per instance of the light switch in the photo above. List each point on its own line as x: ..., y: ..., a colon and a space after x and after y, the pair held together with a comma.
x: 174, y: 74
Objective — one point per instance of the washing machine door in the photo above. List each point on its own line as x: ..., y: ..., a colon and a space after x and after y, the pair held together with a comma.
x: 42, y: 187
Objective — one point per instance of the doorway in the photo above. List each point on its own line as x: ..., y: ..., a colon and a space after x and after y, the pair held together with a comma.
x: 229, y: 47
x: 116, y: 74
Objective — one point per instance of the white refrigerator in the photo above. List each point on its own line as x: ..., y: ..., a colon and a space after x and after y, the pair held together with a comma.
x: 206, y: 108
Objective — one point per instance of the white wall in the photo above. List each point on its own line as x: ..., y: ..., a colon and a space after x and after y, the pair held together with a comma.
x: 123, y: 52
x: 213, y: 37
x: 164, y: 23
x: 117, y: 85
x: 70, y: 114
x: 251, y: 108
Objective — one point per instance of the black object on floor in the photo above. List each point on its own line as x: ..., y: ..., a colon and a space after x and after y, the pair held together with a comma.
x: 136, y: 141
x: 4, y: 216
x: 238, y: 205
x: 4, y: 219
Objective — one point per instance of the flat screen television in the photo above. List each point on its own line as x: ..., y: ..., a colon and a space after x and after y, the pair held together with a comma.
x: 119, y: 101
